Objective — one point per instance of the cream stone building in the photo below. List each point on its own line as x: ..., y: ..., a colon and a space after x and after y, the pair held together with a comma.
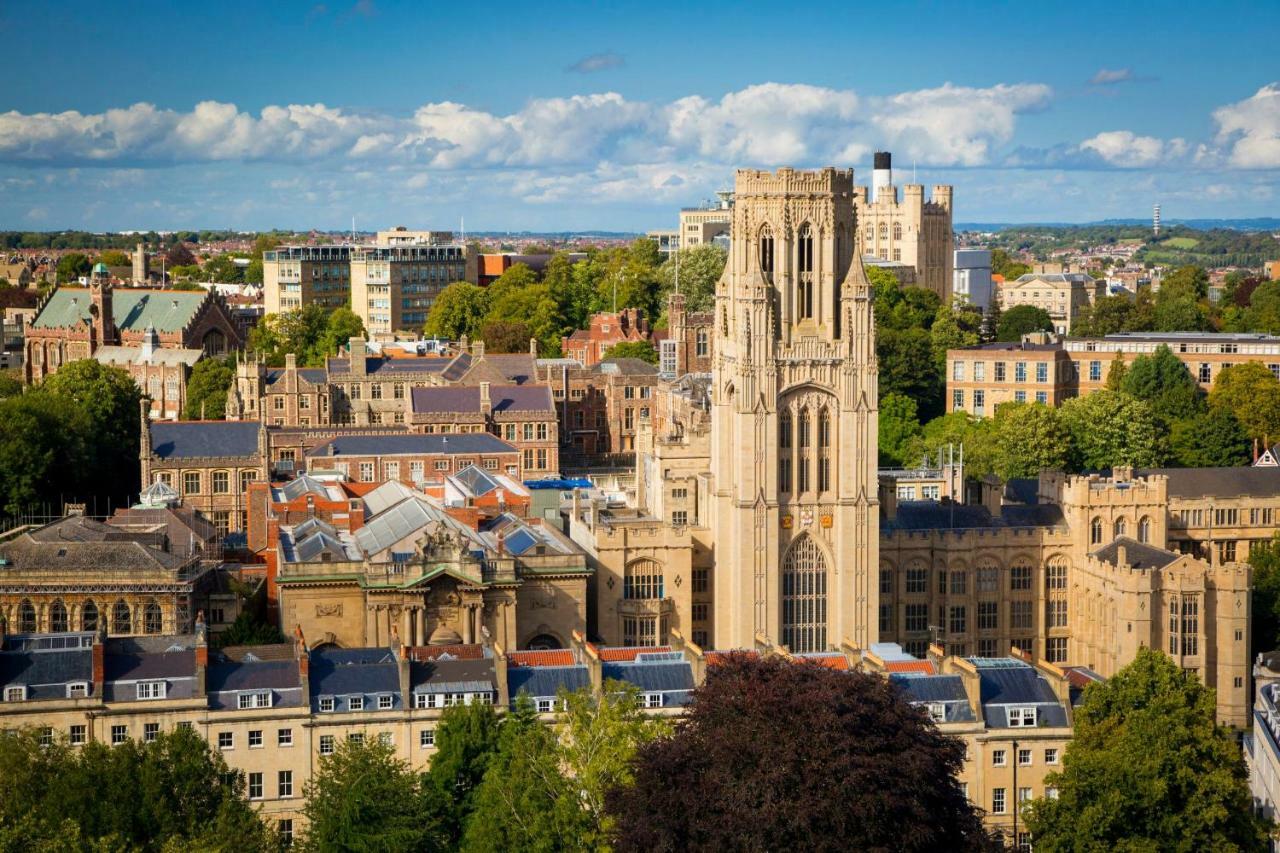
x: 908, y: 230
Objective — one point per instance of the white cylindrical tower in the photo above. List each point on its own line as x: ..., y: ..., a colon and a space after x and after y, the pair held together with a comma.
x: 881, y: 174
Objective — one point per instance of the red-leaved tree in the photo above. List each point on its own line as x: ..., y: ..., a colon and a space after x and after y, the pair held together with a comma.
x: 776, y: 755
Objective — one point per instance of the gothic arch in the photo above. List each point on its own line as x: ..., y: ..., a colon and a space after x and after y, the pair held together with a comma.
x: 121, y: 619
x: 27, y: 617
x: 765, y: 250
x: 643, y: 579
x: 59, y: 623
x: 89, y: 618
x: 804, y: 596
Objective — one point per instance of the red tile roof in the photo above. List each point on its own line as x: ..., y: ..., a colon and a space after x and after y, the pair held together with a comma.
x: 548, y: 657
x: 833, y: 661
x: 714, y: 658
x: 922, y: 667
x: 626, y: 653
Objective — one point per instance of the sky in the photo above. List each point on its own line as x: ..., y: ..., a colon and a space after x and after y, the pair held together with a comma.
x: 580, y: 116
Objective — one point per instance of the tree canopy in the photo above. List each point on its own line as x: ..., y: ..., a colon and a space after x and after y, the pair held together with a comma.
x: 1022, y: 320
x: 171, y: 793
x: 1110, y: 428
x: 759, y: 737
x: 458, y: 310
x: 1164, y: 383
x: 311, y: 333
x: 207, y: 388
x: 1148, y: 769
x: 642, y: 350
x: 1252, y: 393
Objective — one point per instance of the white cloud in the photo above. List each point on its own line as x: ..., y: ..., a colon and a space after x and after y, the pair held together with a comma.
x: 1251, y: 129
x: 1111, y: 76
x: 597, y: 62
x: 1127, y: 150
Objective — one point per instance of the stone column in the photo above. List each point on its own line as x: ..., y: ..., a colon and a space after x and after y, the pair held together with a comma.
x: 406, y: 629
x: 370, y: 625
x: 421, y: 613
x: 467, y: 635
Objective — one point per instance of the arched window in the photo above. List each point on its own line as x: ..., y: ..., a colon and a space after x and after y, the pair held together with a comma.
x: 766, y: 250
x: 897, y: 230
x: 121, y: 622
x: 804, y: 597
x: 802, y: 439
x: 824, y: 450
x: 152, y: 618
x: 804, y: 286
x: 1095, y: 532
x: 543, y: 642
x: 89, y: 616
x: 26, y: 618
x: 784, y: 447
x: 58, y: 622
x: 642, y: 580
x: 1144, y: 530
x: 1120, y: 528
x: 884, y: 231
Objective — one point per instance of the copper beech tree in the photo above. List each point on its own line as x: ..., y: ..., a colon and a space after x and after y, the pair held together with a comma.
x: 778, y: 755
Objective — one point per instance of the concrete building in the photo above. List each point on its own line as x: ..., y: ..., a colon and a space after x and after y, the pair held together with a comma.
x: 972, y: 277
x: 394, y: 286
x: 708, y: 224
x: 910, y: 229
x: 982, y: 377
x: 1063, y: 296
x: 1206, y: 354
x: 295, y: 276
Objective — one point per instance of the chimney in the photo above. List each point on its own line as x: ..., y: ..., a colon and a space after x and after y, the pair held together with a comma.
x: 202, y: 653
x: 99, y: 653
x: 533, y: 347
x: 304, y: 663
x: 144, y: 442
x: 486, y: 403
x: 356, y: 350
x: 477, y: 349
x: 881, y: 174
x: 1122, y: 557
x: 402, y: 669
x: 290, y: 361
x: 500, y: 676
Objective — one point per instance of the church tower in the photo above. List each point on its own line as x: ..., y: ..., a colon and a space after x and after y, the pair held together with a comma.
x: 793, y: 435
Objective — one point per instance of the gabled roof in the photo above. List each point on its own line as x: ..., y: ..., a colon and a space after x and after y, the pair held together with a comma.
x: 1218, y: 482
x: 466, y: 399
x: 543, y: 681
x: 209, y: 439
x: 338, y: 672
x: 651, y: 677
x: 1137, y: 555
x: 133, y: 309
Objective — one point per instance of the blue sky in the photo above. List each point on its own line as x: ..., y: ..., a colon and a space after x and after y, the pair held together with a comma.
x: 573, y: 115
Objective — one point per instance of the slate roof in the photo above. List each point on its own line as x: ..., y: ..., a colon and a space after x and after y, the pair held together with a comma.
x: 339, y: 672
x: 176, y: 668
x: 947, y: 690
x: 167, y: 356
x: 132, y: 309
x: 1009, y: 682
x: 466, y: 399
x: 625, y: 367
x: 44, y: 672
x: 1218, y: 482
x: 76, y: 543
x: 543, y: 681
x: 935, y: 515
x: 452, y: 676
x: 660, y: 677
x: 210, y: 439
x: 1137, y: 555
x: 314, y: 375
x: 408, y: 445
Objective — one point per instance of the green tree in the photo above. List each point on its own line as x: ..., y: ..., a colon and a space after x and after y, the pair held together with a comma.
x: 1181, y: 315
x: 1022, y: 320
x: 642, y: 350
x: 505, y: 336
x: 253, y: 272
x: 1003, y: 264
x: 574, y: 294
x: 1187, y: 282
x: 207, y: 387
x: 222, y: 268
x: 362, y: 798
x: 71, y: 266
x: 173, y: 793
x: 115, y: 258
x: 1110, y: 315
x: 250, y: 628
x: 518, y: 297
x: 524, y: 801
x: 1110, y: 428
x: 466, y: 742
x: 41, y: 446
x: 1251, y: 393
x: 1209, y: 439
x: 297, y: 332
x: 899, y: 430
x: 343, y: 325
x: 458, y: 310
x: 1163, y: 382
x: 1116, y: 373
x: 1148, y: 769
x: 954, y: 431
x: 907, y: 367
x: 700, y: 268
x: 1029, y: 437
x: 1263, y: 313
x: 10, y: 385
x: 109, y: 400
x: 1264, y: 629
x: 955, y: 326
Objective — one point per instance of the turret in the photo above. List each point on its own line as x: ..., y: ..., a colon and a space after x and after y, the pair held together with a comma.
x: 144, y: 440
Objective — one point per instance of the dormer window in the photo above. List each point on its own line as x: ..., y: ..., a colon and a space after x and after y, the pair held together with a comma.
x: 1020, y: 718
x: 77, y: 690
x: 152, y: 690
x: 326, y: 704
x: 938, y: 712
x: 15, y: 694
x: 355, y: 703
x: 255, y: 699
x: 653, y: 700
x: 384, y: 702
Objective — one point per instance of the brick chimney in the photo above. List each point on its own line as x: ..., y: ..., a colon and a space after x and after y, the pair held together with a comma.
x: 202, y: 653
x: 99, y: 653
x: 486, y: 403
x: 477, y: 349
x: 357, y: 354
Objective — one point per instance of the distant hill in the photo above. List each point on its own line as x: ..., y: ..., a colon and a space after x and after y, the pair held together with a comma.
x: 1263, y: 223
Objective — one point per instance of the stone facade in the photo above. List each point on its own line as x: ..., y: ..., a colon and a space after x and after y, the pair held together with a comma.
x: 1063, y: 296
x: 981, y: 378
x: 909, y: 230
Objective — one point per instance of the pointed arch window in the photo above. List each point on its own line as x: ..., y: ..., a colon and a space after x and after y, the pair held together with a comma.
x: 58, y: 622
x: 804, y: 284
x: 26, y: 618
x: 897, y: 230
x: 824, y: 450
x: 121, y: 621
x: 1120, y: 528
x: 642, y: 580
x: 804, y: 597
x: 1095, y: 532
x: 1144, y: 530
x: 766, y: 250
x: 152, y: 618
x: 89, y: 616
x: 784, y: 448
x: 884, y: 231
x: 802, y: 464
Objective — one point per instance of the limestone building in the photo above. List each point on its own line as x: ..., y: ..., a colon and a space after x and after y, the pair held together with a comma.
x: 1063, y: 296
x: 910, y: 230
x: 793, y: 423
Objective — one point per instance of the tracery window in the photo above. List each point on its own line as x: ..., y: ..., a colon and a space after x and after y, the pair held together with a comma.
x: 152, y: 619
x: 58, y: 622
x: 89, y: 616
x: 804, y: 287
x: 643, y: 580
x: 804, y: 597
x: 121, y: 620
x: 766, y: 250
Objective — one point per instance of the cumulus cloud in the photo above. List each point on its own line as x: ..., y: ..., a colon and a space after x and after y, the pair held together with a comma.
x: 1127, y: 150
x: 597, y: 62
x: 766, y: 124
x: 1250, y: 129
x: 1111, y: 76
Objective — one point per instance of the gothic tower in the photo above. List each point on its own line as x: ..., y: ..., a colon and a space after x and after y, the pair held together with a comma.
x: 793, y: 444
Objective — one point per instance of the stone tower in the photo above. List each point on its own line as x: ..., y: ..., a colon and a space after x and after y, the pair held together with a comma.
x: 101, y: 310
x: 793, y: 445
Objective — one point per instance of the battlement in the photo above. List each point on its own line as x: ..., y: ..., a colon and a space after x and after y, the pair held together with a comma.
x: 788, y: 181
